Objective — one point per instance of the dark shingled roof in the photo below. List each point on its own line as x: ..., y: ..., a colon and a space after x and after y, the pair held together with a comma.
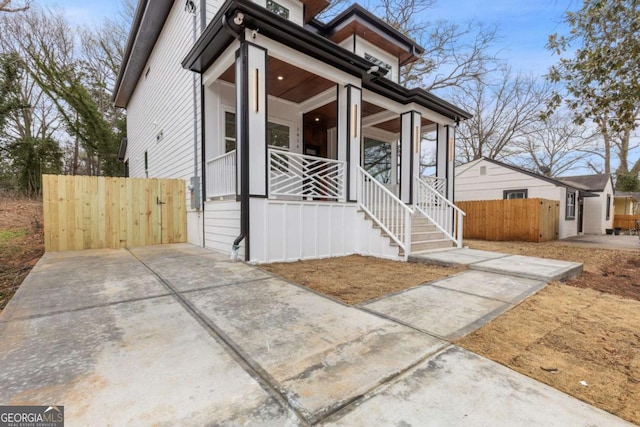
x: 596, y: 182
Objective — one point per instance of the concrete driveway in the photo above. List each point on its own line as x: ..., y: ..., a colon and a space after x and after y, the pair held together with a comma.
x: 179, y: 335
x: 610, y: 241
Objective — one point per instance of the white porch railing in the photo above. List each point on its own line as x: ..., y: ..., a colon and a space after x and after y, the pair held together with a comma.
x: 221, y: 175
x: 298, y: 175
x: 446, y: 216
x: 438, y: 184
x: 385, y: 209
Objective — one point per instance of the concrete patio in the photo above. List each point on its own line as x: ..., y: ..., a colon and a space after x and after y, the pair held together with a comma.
x: 178, y: 334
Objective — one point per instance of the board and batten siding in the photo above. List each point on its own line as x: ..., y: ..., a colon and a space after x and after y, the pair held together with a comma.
x: 160, y: 113
x: 472, y: 185
x: 295, y: 230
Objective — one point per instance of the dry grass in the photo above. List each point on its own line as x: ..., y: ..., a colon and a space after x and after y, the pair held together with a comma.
x: 21, y: 242
x: 566, y: 333
x: 354, y: 279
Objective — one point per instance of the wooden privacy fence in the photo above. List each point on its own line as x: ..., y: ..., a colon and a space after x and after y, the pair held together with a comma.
x: 528, y: 220
x: 626, y: 222
x: 88, y: 212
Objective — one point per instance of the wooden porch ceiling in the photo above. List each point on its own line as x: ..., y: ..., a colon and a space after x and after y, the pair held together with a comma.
x: 325, y: 116
x: 394, y: 125
x: 312, y: 8
x: 355, y: 27
x: 287, y: 81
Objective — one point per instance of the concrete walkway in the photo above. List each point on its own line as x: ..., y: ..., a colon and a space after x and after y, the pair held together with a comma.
x: 176, y: 334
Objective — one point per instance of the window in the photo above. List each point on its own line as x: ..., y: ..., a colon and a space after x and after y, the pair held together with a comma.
x: 377, y: 159
x: 378, y: 62
x: 571, y: 205
x: 146, y: 164
x: 229, y: 132
x: 278, y: 9
x: 608, y: 207
x: 278, y: 136
x: 515, y: 194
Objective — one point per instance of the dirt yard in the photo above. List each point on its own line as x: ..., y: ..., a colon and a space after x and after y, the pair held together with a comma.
x: 21, y: 242
x: 355, y: 279
x: 586, y: 330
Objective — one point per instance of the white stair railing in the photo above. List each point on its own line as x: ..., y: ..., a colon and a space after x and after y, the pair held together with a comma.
x: 438, y: 184
x: 298, y: 175
x: 446, y: 216
x: 221, y: 175
x: 385, y: 209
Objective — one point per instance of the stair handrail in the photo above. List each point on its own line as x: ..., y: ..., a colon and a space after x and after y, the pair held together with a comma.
x: 400, y: 231
x: 437, y: 217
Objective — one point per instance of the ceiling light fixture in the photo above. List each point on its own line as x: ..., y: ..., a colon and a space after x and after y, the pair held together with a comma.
x: 317, y: 119
x: 280, y: 78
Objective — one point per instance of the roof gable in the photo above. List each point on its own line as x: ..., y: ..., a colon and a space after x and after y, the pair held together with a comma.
x: 595, y: 182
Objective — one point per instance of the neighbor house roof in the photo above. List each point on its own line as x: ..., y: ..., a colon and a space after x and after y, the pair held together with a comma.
x: 558, y: 182
x: 596, y: 182
x: 629, y: 194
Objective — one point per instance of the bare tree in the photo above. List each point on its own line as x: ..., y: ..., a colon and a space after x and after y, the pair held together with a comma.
x: 7, y: 6
x: 454, y: 54
x: 503, y: 114
x: 557, y: 145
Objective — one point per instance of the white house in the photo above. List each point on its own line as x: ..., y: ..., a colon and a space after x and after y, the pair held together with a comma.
x: 293, y: 135
x: 598, y: 210
x: 586, y: 202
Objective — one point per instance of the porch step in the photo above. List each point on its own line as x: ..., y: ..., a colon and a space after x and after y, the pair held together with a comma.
x: 426, y: 236
x: 417, y: 247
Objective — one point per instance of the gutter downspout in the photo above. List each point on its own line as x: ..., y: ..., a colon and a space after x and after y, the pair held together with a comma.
x: 203, y: 187
x: 244, y: 164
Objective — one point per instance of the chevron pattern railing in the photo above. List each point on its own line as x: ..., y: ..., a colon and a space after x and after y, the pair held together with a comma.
x: 298, y: 175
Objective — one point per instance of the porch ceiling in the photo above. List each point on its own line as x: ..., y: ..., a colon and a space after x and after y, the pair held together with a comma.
x: 369, y: 109
x: 394, y: 125
x: 325, y: 116
x: 287, y: 81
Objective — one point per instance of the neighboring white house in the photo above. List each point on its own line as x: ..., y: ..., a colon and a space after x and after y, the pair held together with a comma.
x: 586, y: 202
x: 598, y: 211
x: 294, y: 137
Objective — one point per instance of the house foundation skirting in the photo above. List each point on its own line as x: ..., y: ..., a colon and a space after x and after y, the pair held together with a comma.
x: 283, y: 230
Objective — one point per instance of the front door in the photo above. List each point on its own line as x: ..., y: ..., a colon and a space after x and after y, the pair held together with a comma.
x: 580, y: 214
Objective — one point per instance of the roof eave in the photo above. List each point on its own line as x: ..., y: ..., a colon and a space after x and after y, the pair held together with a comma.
x: 146, y: 27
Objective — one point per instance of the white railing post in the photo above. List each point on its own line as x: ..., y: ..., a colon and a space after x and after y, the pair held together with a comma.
x: 407, y: 233
x: 385, y: 209
x: 221, y: 175
x: 446, y: 216
x: 460, y: 227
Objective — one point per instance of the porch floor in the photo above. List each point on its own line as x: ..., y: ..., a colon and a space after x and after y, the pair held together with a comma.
x: 194, y: 339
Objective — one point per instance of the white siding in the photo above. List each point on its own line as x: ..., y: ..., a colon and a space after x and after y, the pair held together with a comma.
x: 222, y: 226
x: 471, y: 185
x: 160, y: 114
x: 595, y: 212
x: 290, y: 231
x: 212, y: 9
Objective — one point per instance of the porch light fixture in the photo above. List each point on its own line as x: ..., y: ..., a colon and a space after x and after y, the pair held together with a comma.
x: 317, y: 119
x: 280, y: 78
x: 354, y: 120
x: 256, y: 76
x: 451, y: 148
